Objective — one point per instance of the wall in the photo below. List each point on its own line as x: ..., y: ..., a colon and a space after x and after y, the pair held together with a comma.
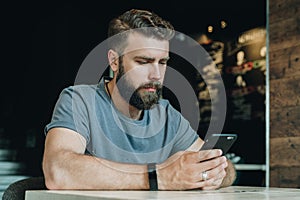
x: 284, y: 56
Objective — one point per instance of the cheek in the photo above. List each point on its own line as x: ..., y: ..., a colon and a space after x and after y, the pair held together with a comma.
x: 136, y: 76
x: 163, y: 72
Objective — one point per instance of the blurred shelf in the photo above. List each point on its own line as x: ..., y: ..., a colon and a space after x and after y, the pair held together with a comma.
x: 250, y: 167
x: 9, y: 167
x: 8, y: 154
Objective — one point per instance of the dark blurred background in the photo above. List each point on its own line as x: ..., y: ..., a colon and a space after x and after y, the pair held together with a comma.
x: 44, y: 43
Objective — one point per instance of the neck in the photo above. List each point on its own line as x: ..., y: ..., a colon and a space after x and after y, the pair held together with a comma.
x: 123, y: 106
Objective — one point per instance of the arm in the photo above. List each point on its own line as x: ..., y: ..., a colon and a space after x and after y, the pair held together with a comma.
x: 66, y: 167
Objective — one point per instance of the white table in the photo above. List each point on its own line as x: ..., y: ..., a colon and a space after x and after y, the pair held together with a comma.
x: 229, y: 193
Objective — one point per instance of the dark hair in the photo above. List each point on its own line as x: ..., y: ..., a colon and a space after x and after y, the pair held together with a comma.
x: 142, y: 21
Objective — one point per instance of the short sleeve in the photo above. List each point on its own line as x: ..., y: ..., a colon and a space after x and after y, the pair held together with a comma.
x: 70, y: 112
x: 185, y: 136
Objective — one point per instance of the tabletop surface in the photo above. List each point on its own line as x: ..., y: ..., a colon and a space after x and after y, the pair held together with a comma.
x: 229, y: 193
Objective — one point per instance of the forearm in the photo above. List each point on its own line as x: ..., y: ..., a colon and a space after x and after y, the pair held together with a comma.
x: 230, y: 175
x: 76, y: 171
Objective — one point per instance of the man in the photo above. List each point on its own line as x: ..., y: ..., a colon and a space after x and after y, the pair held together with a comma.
x: 119, y: 134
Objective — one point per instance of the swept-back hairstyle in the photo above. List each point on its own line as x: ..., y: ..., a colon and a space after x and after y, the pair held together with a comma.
x: 142, y: 21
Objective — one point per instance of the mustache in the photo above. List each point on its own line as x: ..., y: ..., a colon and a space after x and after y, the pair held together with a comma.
x: 156, y: 85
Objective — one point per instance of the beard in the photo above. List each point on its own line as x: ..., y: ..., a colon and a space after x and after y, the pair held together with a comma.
x: 142, y: 100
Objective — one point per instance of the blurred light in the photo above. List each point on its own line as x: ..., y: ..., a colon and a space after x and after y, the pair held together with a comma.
x: 180, y: 36
x: 210, y: 29
x: 223, y: 24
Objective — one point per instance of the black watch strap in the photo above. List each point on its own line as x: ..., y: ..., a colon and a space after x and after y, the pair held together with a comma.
x: 152, y: 177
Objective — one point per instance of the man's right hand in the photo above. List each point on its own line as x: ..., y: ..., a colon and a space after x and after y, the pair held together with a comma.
x: 184, y: 169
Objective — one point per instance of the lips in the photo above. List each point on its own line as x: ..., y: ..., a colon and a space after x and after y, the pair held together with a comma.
x: 150, y: 89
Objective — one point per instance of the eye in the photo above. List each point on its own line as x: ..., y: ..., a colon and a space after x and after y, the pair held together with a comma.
x: 163, y: 62
x: 141, y: 62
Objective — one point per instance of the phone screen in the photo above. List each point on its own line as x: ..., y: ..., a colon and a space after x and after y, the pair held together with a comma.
x: 219, y: 141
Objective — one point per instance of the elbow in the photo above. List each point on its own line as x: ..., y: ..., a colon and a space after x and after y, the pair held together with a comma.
x: 53, y: 178
x: 52, y: 184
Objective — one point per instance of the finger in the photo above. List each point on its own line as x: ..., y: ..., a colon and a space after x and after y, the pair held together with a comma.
x: 213, y: 163
x: 219, y: 177
x: 204, y: 176
x: 210, y: 187
x: 212, y: 173
x: 200, y: 184
x: 216, y: 183
x: 209, y: 154
x: 211, y: 184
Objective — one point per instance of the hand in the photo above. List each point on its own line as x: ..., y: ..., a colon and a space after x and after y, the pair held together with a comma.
x: 183, y: 170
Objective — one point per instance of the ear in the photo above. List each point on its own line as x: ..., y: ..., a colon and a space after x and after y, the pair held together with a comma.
x: 113, y: 58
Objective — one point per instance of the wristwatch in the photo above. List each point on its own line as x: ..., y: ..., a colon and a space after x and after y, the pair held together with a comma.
x: 152, y: 177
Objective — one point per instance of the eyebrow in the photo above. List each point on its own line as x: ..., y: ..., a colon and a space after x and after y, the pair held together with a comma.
x: 150, y: 58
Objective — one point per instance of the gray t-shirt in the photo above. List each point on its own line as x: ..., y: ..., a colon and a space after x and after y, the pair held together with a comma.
x: 88, y: 110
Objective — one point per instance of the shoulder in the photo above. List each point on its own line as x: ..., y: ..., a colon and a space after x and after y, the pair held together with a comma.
x: 79, y: 90
x: 78, y: 93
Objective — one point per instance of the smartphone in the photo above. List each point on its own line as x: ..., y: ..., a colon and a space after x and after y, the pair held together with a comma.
x: 219, y: 141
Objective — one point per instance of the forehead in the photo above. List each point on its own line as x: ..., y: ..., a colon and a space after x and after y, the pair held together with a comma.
x: 137, y: 42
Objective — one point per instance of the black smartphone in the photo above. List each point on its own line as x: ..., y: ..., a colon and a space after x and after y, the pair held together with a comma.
x: 219, y: 141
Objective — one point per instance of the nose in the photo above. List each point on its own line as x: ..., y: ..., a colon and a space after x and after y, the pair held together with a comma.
x: 155, y: 72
